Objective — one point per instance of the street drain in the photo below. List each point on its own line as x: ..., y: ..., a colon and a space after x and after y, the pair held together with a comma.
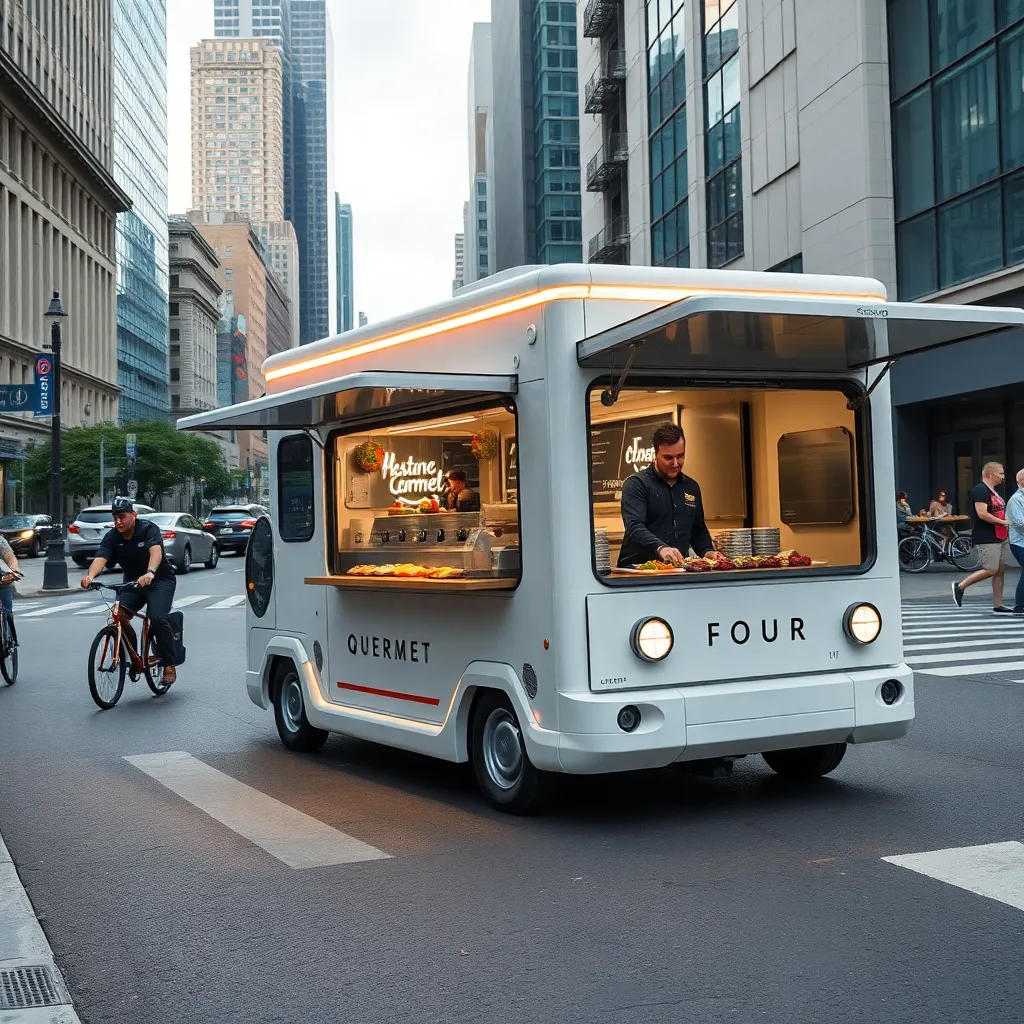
x: 25, y: 987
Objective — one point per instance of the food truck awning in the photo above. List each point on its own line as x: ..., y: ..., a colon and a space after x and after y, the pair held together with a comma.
x: 774, y: 332
x: 355, y: 399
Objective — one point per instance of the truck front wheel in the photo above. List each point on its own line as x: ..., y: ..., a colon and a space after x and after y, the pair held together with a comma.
x: 805, y: 762
x: 504, y: 772
x: 290, y: 713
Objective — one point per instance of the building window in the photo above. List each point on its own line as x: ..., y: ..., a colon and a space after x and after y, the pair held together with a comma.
x: 666, y: 90
x: 794, y: 265
x: 229, y: 252
x: 175, y: 373
x: 724, y: 188
x: 174, y: 281
x: 229, y: 274
x: 175, y: 334
x: 958, y: 140
x: 173, y: 309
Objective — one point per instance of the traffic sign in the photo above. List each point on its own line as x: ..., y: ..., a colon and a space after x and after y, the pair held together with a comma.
x: 43, y: 398
x: 131, y: 450
x: 17, y: 397
x: 133, y: 488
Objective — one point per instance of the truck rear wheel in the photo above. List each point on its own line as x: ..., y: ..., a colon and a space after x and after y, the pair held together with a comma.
x: 805, y: 762
x: 504, y: 772
x: 290, y: 713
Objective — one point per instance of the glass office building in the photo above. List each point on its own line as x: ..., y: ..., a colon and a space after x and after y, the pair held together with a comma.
x: 343, y: 228
x: 140, y: 167
x: 556, y: 142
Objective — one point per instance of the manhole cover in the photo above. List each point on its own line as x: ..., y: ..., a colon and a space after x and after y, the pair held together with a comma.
x: 25, y: 987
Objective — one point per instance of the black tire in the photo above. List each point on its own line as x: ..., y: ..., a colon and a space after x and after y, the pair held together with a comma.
x: 914, y: 554
x: 290, y: 713
x: 37, y: 547
x: 962, y: 553
x: 504, y: 772
x: 214, y: 557
x: 8, y: 651
x: 153, y: 670
x: 805, y: 762
x: 106, y: 683
x: 186, y: 562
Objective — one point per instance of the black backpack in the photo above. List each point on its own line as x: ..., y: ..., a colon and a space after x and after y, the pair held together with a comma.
x: 177, y: 623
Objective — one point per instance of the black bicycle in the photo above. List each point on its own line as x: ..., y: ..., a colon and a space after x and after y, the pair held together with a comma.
x: 9, y: 638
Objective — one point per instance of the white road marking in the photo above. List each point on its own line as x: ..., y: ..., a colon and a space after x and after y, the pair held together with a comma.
x: 184, y: 602
x: 49, y: 611
x: 995, y: 641
x: 937, y: 659
x: 95, y: 610
x: 292, y: 837
x: 975, y: 670
x: 233, y: 602
x: 967, y: 631
x: 995, y: 870
x: 239, y: 570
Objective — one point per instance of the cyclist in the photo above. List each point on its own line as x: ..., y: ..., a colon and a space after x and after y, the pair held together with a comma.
x: 138, y: 548
x: 7, y: 579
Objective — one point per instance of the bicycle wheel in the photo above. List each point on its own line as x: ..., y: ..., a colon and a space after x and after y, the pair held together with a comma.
x: 8, y: 650
x: 106, y: 668
x: 914, y: 554
x: 963, y: 554
x: 154, y: 669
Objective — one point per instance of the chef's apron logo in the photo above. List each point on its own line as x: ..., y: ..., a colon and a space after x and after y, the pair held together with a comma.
x: 637, y: 456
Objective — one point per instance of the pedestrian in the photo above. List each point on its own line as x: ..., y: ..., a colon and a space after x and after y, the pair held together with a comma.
x: 990, y: 537
x: 1015, y: 518
x: 903, y: 512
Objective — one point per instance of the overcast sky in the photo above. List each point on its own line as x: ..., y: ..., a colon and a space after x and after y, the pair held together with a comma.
x: 400, y: 133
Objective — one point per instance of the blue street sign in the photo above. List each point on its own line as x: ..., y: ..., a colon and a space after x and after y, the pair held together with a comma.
x: 43, y: 404
x: 131, y: 450
x: 17, y: 397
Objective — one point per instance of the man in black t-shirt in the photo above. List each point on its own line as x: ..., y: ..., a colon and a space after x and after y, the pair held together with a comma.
x: 988, y: 509
x: 138, y: 548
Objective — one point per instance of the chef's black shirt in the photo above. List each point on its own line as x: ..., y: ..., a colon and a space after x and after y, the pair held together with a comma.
x: 133, y: 554
x: 655, y: 515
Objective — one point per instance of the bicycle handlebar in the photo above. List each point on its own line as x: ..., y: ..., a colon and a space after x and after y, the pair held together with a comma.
x: 116, y: 587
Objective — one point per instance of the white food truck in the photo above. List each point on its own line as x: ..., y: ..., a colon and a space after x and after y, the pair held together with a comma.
x: 441, y: 570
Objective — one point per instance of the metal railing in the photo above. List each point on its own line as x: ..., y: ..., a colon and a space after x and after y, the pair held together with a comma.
x: 599, y: 16
x: 605, y: 166
x: 606, y: 82
x: 611, y: 243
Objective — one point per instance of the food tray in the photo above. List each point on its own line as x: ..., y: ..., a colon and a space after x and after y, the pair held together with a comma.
x: 711, y: 572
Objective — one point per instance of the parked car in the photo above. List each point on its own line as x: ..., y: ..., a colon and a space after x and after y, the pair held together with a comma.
x: 27, y: 534
x: 89, y: 528
x: 185, y: 540
x: 232, y: 524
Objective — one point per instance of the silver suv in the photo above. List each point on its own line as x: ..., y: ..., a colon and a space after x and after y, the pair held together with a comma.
x: 89, y: 528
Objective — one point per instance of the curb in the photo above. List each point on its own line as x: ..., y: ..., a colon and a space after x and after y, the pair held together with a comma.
x: 36, y: 594
x: 23, y: 945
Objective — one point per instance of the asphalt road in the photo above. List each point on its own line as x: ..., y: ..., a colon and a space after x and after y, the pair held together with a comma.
x: 642, y: 898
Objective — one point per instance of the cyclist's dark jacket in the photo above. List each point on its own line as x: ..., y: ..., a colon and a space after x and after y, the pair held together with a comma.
x: 133, y: 554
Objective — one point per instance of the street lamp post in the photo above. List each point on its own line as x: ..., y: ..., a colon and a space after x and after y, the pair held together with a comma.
x: 55, y: 570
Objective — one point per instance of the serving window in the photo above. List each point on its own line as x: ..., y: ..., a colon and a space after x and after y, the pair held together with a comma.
x: 778, y: 475
x: 430, y: 503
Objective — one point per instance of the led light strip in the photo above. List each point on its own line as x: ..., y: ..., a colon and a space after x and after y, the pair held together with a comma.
x: 631, y: 293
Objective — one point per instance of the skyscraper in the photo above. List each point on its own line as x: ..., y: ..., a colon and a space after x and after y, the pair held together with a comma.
x: 140, y: 166
x: 478, y: 226
x: 460, y: 260
x: 537, y: 208
x: 343, y: 230
x: 310, y: 34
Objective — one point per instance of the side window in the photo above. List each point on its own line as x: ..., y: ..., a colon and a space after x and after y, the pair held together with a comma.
x: 295, y: 488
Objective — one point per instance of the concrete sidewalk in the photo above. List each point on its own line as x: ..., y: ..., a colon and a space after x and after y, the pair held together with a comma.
x: 33, y: 990
x: 937, y: 581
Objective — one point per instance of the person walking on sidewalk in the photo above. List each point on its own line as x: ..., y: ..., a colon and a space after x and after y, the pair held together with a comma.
x: 990, y: 537
x: 1015, y: 518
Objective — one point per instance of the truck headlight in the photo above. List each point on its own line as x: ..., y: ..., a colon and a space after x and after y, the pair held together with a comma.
x: 651, y: 639
x: 862, y: 623
x: 27, y: 534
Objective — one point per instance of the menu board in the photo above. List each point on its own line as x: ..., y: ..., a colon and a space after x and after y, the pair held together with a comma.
x: 618, y: 449
x: 511, y: 469
x: 816, y: 477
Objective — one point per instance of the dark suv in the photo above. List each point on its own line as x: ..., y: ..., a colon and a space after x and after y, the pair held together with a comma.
x: 232, y: 525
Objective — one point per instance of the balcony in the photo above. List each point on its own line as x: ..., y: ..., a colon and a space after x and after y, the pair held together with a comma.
x: 599, y: 16
x: 605, y: 168
x: 611, y: 243
x: 607, y: 83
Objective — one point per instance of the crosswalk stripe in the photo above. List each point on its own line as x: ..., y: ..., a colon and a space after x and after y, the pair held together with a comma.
x: 294, y: 838
x: 995, y: 870
x: 968, y: 630
x: 993, y: 642
x: 184, y: 602
x: 94, y: 610
x: 231, y: 602
x: 988, y: 668
x: 937, y: 659
x: 50, y: 610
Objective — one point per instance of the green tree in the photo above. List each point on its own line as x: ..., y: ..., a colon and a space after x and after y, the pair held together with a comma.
x: 80, y: 460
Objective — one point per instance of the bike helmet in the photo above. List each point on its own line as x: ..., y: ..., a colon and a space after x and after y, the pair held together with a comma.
x: 121, y: 504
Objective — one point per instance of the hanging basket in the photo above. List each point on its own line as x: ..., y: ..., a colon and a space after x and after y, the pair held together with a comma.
x: 369, y: 456
x: 484, y: 446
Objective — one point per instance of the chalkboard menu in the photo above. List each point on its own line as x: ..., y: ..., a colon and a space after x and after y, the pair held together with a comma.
x: 511, y: 470
x: 816, y: 477
x: 618, y: 450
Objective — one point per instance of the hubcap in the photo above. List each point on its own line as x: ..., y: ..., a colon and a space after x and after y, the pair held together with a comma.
x: 291, y: 703
x: 187, y: 559
x: 502, y: 749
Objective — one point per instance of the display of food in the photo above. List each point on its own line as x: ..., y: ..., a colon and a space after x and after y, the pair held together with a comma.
x: 408, y: 571
x: 715, y: 561
x: 425, y: 506
x: 655, y: 566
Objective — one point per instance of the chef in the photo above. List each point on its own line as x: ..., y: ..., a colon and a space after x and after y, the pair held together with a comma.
x: 460, y: 497
x: 662, y: 511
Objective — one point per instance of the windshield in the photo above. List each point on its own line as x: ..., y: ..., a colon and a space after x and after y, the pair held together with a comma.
x: 102, y: 516
x: 16, y: 522
x: 230, y: 513
x: 160, y: 518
